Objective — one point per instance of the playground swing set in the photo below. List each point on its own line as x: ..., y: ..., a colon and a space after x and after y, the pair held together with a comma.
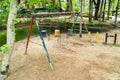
x: 34, y: 16
x: 57, y: 32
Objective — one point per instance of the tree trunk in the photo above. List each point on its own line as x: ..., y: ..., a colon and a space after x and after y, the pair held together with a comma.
x: 117, y: 8
x: 90, y: 10
x: 67, y: 5
x: 104, y: 11
x: 96, y: 10
x: 101, y: 9
x: 109, y: 6
x: 84, y: 5
x: 71, y: 6
x: 60, y: 5
x: 80, y: 27
x: 10, y: 35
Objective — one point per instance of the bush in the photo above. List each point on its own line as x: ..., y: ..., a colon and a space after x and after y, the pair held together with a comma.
x: 3, y: 38
x: 21, y: 33
x: 97, y: 29
x: 53, y: 8
x: 3, y: 18
x: 76, y: 8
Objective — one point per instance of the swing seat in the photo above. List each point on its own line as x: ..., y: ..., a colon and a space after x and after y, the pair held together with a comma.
x: 43, y: 32
x: 57, y: 33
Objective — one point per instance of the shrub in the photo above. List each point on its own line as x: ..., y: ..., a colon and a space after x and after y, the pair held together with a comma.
x: 53, y: 8
x: 21, y: 33
x: 3, y: 37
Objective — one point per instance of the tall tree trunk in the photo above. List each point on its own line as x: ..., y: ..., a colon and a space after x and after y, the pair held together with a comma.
x: 117, y: 8
x: 67, y: 5
x: 84, y: 5
x: 80, y: 28
x: 104, y: 11
x: 71, y: 5
x: 96, y: 10
x: 81, y: 6
x: 10, y: 35
x: 90, y: 10
x: 109, y: 6
x: 101, y: 9
x: 60, y: 5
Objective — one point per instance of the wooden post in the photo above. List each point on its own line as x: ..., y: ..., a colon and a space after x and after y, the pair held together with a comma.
x: 106, y: 37
x: 80, y: 30
x: 115, y: 38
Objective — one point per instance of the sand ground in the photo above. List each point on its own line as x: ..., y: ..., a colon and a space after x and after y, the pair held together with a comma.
x: 73, y: 58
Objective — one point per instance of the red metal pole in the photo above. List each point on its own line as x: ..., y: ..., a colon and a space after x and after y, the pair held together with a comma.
x: 30, y: 30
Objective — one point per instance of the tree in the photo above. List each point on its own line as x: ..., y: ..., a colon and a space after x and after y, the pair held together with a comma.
x: 101, y: 9
x: 117, y: 8
x: 60, y: 5
x: 69, y: 5
x: 10, y: 35
x: 90, y: 10
x: 109, y: 6
x: 97, y: 4
x: 104, y: 10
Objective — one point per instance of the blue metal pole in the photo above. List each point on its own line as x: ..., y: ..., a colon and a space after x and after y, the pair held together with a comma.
x: 45, y: 48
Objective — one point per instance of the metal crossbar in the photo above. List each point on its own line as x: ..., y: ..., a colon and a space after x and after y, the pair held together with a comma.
x: 54, y: 13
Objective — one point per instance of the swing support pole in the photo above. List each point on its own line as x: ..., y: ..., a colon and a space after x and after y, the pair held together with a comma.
x: 41, y: 37
x: 30, y: 30
x: 43, y: 43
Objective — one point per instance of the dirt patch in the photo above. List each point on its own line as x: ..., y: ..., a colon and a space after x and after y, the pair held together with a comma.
x: 77, y: 59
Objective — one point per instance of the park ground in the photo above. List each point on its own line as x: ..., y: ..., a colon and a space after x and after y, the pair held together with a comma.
x: 73, y: 58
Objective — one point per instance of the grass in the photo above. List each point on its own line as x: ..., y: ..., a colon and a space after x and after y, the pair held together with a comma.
x: 111, y: 44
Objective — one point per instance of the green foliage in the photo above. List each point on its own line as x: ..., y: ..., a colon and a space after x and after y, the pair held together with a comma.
x: 76, y: 8
x: 53, y: 8
x: 4, y: 9
x: 85, y: 13
x: 97, y: 29
x: 4, y: 3
x: 4, y: 48
x: 3, y: 38
x: 3, y: 18
x: 64, y: 5
x: 33, y: 2
x: 21, y: 33
x: 94, y: 22
x: 24, y: 15
x: 47, y: 19
x: 16, y: 21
